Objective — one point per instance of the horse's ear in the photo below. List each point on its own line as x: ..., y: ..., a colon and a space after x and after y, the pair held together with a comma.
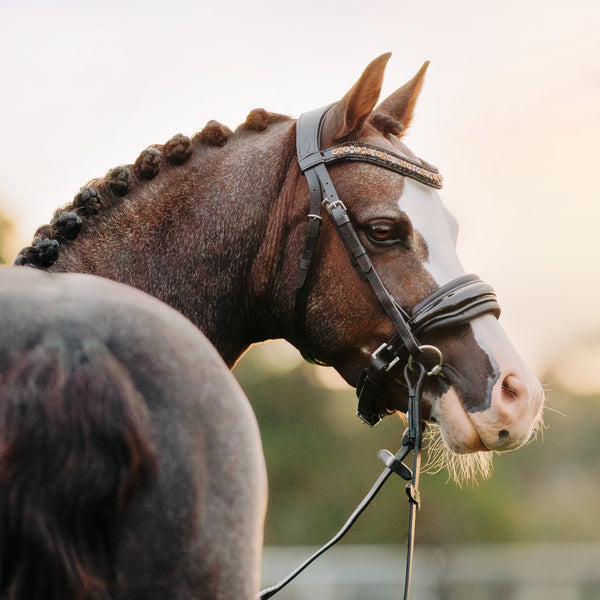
x: 401, y: 103
x: 350, y: 113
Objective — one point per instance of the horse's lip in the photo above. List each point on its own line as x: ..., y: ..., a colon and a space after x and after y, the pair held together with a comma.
x: 453, y: 444
x: 516, y: 444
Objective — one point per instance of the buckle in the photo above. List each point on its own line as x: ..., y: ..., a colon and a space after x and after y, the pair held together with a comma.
x: 331, y: 206
x: 372, y: 378
x: 386, y: 366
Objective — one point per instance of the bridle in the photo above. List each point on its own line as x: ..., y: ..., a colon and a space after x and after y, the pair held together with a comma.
x: 455, y: 303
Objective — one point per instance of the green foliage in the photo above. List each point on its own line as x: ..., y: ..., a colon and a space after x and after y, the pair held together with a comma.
x: 321, y: 462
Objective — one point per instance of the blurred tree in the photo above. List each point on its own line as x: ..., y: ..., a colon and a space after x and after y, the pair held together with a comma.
x: 321, y: 461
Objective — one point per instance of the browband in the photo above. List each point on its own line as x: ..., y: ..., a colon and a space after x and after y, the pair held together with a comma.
x: 421, y: 171
x: 308, y: 133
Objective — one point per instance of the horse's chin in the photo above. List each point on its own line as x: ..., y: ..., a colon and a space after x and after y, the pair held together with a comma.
x: 452, y: 442
x: 461, y: 468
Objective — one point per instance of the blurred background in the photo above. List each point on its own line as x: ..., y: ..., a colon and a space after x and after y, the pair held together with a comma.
x: 509, y: 113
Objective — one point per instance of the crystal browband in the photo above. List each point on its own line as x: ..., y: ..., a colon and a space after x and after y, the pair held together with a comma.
x: 420, y: 171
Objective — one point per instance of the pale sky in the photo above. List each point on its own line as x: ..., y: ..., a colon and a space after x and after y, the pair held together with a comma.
x: 509, y: 113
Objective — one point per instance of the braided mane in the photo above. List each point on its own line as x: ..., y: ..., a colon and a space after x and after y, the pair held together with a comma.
x: 100, y: 195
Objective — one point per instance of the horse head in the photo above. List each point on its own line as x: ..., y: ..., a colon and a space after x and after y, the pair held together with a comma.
x: 485, y: 397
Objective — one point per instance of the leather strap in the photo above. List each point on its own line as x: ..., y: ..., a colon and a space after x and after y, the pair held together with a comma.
x: 455, y: 303
x: 411, y: 441
x: 322, y: 191
x: 362, y: 263
x: 415, y: 169
x: 308, y: 130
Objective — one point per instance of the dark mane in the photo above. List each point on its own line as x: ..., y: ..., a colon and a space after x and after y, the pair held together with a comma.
x: 59, y: 541
x: 102, y: 194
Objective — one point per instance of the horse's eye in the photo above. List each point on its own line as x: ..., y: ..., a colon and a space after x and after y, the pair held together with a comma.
x: 382, y: 232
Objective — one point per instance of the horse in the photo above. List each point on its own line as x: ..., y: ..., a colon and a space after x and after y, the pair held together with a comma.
x: 131, y: 465
x: 216, y: 226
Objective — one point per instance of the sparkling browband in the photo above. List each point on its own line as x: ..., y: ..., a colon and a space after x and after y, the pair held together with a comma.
x: 420, y: 171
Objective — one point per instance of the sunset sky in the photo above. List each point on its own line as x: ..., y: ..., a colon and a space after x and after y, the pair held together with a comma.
x: 510, y: 113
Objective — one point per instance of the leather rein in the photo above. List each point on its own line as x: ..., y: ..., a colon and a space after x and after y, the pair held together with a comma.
x: 455, y: 303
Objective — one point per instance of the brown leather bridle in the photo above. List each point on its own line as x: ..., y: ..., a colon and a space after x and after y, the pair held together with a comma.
x: 456, y: 303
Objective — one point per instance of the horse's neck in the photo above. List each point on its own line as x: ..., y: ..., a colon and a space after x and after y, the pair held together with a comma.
x: 193, y: 236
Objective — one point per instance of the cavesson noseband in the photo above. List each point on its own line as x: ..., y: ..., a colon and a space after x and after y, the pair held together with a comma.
x: 455, y: 303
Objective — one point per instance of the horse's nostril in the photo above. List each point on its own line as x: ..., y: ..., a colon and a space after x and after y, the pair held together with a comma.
x: 503, y: 435
x: 509, y: 387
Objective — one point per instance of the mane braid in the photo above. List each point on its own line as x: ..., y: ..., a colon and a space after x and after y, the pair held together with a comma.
x: 213, y: 134
x: 259, y: 119
x: 147, y: 164
x: 178, y: 149
x: 104, y: 193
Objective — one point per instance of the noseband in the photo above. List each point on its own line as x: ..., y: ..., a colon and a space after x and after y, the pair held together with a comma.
x: 455, y: 303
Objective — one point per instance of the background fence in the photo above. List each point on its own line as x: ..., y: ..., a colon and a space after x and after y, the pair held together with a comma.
x: 473, y: 572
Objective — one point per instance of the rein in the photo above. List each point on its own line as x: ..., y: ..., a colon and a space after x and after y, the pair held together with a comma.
x: 411, y: 441
x: 455, y: 303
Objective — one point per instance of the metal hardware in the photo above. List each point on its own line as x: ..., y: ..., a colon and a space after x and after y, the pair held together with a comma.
x: 392, y: 363
x: 435, y: 370
x: 330, y: 206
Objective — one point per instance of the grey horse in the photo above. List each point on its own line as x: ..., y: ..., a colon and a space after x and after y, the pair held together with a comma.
x: 130, y: 460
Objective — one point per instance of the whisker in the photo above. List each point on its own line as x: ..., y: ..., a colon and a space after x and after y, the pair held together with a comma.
x: 554, y: 410
x: 461, y: 468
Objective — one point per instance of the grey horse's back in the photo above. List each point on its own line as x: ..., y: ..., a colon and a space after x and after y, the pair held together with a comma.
x: 147, y: 452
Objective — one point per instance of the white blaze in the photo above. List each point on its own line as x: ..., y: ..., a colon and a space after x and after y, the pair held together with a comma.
x: 439, y: 229
x: 432, y: 220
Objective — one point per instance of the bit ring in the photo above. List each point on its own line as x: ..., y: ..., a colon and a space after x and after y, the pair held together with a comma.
x: 436, y: 369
